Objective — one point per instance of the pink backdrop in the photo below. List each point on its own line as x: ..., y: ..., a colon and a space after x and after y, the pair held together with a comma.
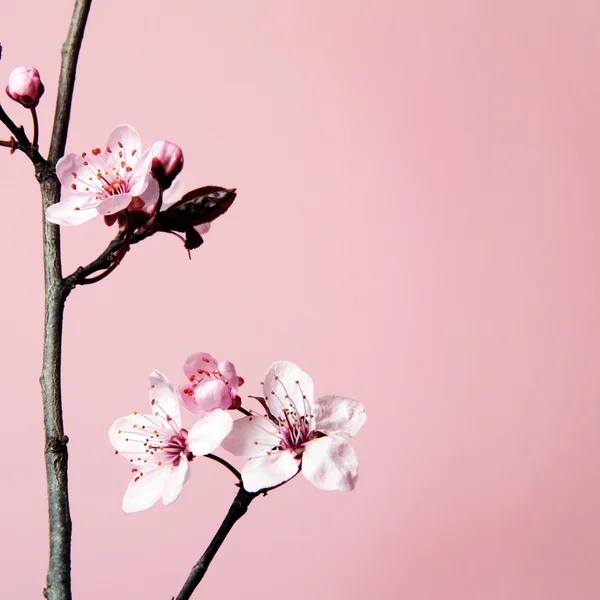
x: 417, y: 226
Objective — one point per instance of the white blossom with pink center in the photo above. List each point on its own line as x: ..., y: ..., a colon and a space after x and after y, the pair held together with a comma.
x: 160, y: 449
x: 298, y: 432
x: 212, y: 384
x: 105, y: 180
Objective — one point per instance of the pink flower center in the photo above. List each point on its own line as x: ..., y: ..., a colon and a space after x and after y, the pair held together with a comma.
x: 295, y: 430
x: 107, y: 173
x: 175, y: 448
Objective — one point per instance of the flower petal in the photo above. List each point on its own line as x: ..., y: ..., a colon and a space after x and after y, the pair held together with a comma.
x: 330, y: 463
x: 165, y: 396
x: 140, y: 176
x: 113, y: 204
x: 336, y: 414
x: 252, y: 436
x: 127, y: 434
x: 269, y: 471
x: 177, y: 477
x: 150, y: 194
x: 66, y: 166
x: 209, y: 431
x: 144, y: 491
x: 202, y: 228
x: 210, y: 394
x: 198, y: 362
x: 287, y: 386
x: 70, y: 212
x: 174, y: 193
x: 126, y: 138
x: 227, y: 370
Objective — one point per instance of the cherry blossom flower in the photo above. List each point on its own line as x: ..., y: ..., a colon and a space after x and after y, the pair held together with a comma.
x: 160, y: 449
x: 105, y: 181
x: 212, y: 384
x: 298, y: 432
x: 25, y: 86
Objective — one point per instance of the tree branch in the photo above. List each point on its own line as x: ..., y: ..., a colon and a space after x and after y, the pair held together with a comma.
x: 66, y: 86
x: 237, y: 510
x: 58, y: 579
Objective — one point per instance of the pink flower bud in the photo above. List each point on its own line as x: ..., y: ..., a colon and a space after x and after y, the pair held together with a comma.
x: 167, y: 162
x: 25, y: 86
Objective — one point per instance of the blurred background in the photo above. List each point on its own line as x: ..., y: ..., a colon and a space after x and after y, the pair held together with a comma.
x: 416, y: 226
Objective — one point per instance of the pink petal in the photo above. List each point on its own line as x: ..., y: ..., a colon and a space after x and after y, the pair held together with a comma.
x: 209, y: 431
x: 202, y: 228
x: 128, y: 138
x: 65, y: 167
x: 252, y: 436
x: 269, y: 471
x: 144, y: 491
x: 336, y: 414
x: 140, y: 176
x: 330, y: 463
x: 174, y: 193
x: 177, y: 477
x: 150, y: 194
x: 200, y: 361
x: 164, y: 395
x: 70, y: 212
x: 227, y: 370
x: 210, y: 394
x: 284, y: 387
x: 114, y: 204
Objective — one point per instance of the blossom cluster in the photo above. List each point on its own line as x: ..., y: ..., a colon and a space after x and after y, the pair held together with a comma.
x: 294, y: 432
x: 120, y: 176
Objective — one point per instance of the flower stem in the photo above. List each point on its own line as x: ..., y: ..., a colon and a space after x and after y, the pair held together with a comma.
x: 237, y: 510
x: 58, y: 579
x: 226, y: 464
x: 36, y: 128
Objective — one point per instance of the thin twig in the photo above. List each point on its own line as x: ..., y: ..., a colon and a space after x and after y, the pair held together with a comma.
x: 226, y: 464
x: 58, y: 580
x: 21, y: 141
x: 66, y: 86
x: 36, y: 128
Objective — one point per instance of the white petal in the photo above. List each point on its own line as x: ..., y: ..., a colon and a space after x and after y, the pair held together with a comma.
x: 144, y: 491
x: 164, y: 397
x: 330, y: 463
x: 114, y: 204
x: 70, y: 212
x: 336, y: 414
x: 150, y: 194
x: 287, y: 386
x: 269, y: 471
x: 174, y: 193
x: 129, y: 139
x: 252, y: 436
x: 140, y: 176
x: 128, y: 434
x: 209, y: 431
x: 177, y: 477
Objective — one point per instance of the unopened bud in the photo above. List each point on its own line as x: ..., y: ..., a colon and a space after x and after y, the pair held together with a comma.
x: 25, y: 86
x: 167, y: 162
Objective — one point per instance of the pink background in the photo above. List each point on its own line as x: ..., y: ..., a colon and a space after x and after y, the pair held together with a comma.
x: 417, y: 227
